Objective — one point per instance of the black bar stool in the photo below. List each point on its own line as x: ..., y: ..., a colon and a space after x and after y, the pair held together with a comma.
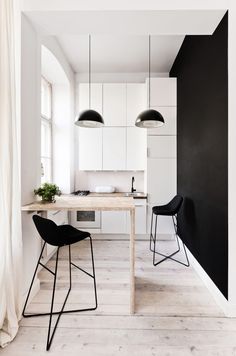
x: 59, y: 235
x: 170, y: 209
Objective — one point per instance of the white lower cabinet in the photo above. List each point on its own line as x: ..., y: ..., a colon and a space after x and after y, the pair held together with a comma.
x: 113, y: 222
x: 140, y: 217
x: 118, y: 222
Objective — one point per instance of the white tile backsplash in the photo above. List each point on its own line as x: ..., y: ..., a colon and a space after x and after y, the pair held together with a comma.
x: 120, y: 180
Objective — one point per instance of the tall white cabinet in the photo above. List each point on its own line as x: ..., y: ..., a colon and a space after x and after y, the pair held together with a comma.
x: 161, y: 151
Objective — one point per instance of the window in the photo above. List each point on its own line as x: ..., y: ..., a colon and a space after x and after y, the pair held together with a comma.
x: 46, y: 131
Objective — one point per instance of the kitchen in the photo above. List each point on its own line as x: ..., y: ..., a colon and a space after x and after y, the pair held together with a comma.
x: 119, y: 162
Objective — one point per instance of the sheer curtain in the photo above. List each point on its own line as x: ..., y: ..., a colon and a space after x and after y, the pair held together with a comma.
x: 10, y: 218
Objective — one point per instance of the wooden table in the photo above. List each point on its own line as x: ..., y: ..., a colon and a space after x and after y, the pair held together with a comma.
x: 70, y: 203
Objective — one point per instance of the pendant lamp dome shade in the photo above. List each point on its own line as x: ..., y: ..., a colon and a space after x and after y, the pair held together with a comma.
x: 149, y: 118
x: 89, y: 118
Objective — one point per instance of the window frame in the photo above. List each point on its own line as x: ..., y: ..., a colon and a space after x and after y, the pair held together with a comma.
x: 49, y: 121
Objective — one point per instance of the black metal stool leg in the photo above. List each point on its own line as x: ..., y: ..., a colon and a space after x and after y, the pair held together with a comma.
x: 187, y: 264
x: 154, y: 242
x: 32, y: 282
x: 59, y: 313
x: 151, y: 236
x: 172, y: 254
x: 94, y: 277
x: 94, y: 282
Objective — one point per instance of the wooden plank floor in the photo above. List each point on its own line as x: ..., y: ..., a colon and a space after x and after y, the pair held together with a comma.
x: 175, y: 314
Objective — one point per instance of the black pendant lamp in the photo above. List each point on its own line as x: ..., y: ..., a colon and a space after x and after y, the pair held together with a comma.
x: 149, y: 118
x: 89, y: 118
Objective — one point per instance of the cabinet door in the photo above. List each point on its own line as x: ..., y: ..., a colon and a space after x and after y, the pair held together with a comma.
x: 161, y: 146
x: 114, y: 104
x: 161, y: 180
x: 114, y: 149
x: 169, y: 128
x: 140, y: 218
x: 136, y: 101
x: 114, y: 222
x: 136, y: 149
x: 90, y: 149
x: 96, y: 97
x: 163, y: 92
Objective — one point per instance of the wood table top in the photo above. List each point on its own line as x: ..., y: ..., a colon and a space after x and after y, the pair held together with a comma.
x: 71, y: 202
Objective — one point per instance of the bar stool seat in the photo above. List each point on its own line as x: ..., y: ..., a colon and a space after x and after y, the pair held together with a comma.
x: 69, y: 235
x: 59, y: 235
x: 170, y: 209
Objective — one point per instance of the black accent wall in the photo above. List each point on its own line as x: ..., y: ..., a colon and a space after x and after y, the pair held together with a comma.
x: 201, y: 68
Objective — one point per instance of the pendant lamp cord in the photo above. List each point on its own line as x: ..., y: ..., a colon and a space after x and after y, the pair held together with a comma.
x: 89, y: 71
x: 149, y: 70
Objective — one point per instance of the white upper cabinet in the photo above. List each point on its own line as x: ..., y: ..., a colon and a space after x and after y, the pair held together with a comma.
x: 136, y: 101
x: 169, y: 115
x: 114, y: 104
x: 136, y: 149
x: 114, y: 148
x: 163, y: 92
x: 90, y: 149
x: 96, y: 97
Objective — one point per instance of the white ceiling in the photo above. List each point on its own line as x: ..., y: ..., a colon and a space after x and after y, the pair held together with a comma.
x: 119, y: 38
x: 120, y: 54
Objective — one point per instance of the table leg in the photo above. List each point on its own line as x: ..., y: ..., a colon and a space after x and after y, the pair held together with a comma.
x: 132, y: 261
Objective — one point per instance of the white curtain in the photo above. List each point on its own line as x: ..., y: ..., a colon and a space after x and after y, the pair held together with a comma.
x: 10, y: 218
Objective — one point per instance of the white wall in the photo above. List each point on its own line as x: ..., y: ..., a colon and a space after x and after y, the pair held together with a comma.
x: 30, y: 139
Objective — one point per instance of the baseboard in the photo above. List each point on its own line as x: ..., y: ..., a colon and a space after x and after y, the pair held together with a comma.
x: 228, y: 308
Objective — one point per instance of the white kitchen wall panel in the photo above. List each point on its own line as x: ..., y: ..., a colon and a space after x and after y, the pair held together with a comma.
x: 90, y: 149
x: 114, y: 148
x: 136, y: 101
x: 136, y: 149
x: 161, y: 146
x: 114, y: 104
x: 169, y: 114
x: 163, y: 92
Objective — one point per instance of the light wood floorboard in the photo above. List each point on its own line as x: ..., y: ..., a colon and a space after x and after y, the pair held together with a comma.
x: 174, y: 312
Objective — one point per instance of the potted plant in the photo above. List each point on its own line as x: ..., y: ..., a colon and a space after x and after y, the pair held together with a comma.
x: 48, y: 191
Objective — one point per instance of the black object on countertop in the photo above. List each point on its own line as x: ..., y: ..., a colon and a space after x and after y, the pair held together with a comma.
x: 81, y: 192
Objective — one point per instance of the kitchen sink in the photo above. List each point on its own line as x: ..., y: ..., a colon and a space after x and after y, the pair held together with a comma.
x: 134, y: 194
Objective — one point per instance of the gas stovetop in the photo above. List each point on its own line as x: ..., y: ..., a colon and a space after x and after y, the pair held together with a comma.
x: 81, y: 192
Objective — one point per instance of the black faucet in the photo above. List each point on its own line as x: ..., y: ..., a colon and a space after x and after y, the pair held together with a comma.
x: 132, y: 186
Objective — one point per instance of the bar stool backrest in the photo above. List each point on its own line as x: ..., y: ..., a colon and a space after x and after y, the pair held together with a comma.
x: 47, y: 229
x: 175, y: 204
